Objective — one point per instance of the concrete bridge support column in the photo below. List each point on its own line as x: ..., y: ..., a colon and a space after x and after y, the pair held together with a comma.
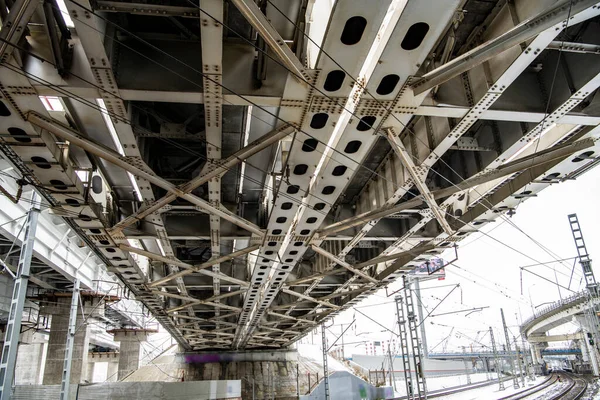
x: 112, y: 372
x: 129, y: 349
x: 59, y: 327
x: 90, y: 371
x: 589, y: 348
x: 30, y: 358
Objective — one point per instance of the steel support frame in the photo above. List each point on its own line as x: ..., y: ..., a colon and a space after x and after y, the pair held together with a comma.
x: 127, y: 164
x: 90, y: 30
x: 519, y: 34
x: 500, y: 85
x: 211, y: 34
x: 519, y: 165
x: 13, y: 327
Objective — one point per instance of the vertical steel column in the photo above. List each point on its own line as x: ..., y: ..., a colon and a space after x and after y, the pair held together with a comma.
x: 508, y: 351
x: 415, y: 343
x: 466, y: 365
x: 496, y: 359
x: 325, y: 369
x: 66, y: 374
x: 584, y: 258
x: 420, y: 315
x: 528, y: 368
x: 13, y: 326
x: 404, y: 347
x: 518, y: 353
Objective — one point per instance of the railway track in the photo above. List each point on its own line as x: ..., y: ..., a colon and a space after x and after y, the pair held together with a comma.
x: 573, y: 390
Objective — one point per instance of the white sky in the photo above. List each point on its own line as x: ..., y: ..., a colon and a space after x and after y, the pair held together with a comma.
x: 489, y: 273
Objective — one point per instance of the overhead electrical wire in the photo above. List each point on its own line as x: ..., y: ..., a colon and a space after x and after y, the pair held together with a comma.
x: 225, y: 88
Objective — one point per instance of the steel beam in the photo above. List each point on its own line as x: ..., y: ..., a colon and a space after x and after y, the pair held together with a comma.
x: 519, y: 34
x: 194, y: 268
x: 343, y: 263
x: 15, y: 26
x: 415, y: 251
x: 123, y: 162
x: 221, y: 167
x: 418, y: 175
x: 540, y: 158
x: 573, y: 47
x: 154, y: 10
x: 259, y: 21
x: 190, y: 269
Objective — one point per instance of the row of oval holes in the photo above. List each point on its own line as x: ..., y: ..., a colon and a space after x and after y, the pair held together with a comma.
x: 355, y: 27
x: 335, y: 80
x: 352, y: 34
x: 319, y: 121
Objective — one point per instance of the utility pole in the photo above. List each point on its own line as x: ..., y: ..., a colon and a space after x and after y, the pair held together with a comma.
x: 404, y: 347
x: 325, y: 369
x: 590, y: 313
x: 528, y: 368
x: 66, y: 375
x: 420, y: 314
x: 508, y: 350
x: 500, y: 381
x: 466, y: 365
x: 13, y: 326
x: 415, y: 343
x: 519, y: 361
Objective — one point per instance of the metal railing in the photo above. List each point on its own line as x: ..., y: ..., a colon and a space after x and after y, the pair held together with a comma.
x: 569, y: 301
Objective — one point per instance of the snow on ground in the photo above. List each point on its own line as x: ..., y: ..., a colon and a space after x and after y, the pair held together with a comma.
x: 314, y: 353
x: 441, y: 382
x: 492, y: 392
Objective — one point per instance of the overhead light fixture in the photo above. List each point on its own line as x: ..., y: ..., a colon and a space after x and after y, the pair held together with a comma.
x: 65, y: 14
x: 136, y: 187
x: 115, y: 138
x: 160, y: 247
x: 52, y: 103
x: 246, y: 136
x: 522, y: 149
x: 110, y: 126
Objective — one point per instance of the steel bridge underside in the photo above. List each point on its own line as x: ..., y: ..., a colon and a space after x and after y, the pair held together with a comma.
x: 249, y: 171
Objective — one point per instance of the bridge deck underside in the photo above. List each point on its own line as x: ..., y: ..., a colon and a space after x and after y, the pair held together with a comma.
x: 246, y: 183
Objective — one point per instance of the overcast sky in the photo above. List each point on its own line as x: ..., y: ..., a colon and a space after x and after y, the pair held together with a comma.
x: 489, y: 272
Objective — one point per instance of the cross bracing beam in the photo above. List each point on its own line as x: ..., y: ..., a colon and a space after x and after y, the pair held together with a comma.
x: 157, y: 10
x: 418, y: 175
x: 263, y: 26
x: 343, y: 263
x: 539, y: 159
x: 164, y: 96
x: 220, y: 167
x: 521, y: 33
x: 189, y: 268
x: 123, y: 162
